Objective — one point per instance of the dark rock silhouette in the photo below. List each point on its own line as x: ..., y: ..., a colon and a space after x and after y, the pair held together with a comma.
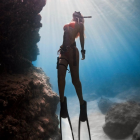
x: 27, y: 106
x: 105, y: 104
x: 121, y: 120
x: 19, y: 27
x: 27, y: 102
x: 136, y: 133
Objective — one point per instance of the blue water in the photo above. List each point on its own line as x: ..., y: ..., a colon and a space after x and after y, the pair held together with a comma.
x: 112, y: 43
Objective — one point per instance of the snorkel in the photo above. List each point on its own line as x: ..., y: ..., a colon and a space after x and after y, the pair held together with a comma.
x: 79, y: 17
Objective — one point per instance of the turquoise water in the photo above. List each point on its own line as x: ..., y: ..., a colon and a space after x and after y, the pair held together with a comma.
x: 112, y: 43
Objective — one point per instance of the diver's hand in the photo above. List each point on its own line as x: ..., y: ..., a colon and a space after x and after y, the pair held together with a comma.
x: 83, y: 56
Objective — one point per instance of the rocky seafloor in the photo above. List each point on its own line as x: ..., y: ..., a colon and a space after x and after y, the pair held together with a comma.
x: 122, y: 119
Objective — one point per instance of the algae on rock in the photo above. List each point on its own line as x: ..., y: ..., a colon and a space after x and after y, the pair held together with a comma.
x: 27, y: 106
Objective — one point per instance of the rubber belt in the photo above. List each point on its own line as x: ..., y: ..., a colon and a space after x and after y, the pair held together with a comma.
x: 61, y: 64
x: 73, y: 46
x: 65, y: 67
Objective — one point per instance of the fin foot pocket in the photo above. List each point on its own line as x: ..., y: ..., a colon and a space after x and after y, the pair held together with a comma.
x: 64, y: 110
x: 83, y: 112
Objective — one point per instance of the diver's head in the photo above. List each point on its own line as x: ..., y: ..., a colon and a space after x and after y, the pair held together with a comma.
x: 78, y: 17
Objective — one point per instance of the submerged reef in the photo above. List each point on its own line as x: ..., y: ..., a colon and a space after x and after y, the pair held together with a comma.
x: 27, y: 107
x: 19, y: 27
x: 121, y: 119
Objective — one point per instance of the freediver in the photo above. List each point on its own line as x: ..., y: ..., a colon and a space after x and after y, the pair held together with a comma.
x: 69, y: 55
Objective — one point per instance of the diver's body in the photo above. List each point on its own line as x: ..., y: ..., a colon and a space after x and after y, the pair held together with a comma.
x: 72, y: 30
x: 69, y: 54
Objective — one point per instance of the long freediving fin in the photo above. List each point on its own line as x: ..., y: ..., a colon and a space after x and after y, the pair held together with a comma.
x: 64, y: 114
x: 82, y: 118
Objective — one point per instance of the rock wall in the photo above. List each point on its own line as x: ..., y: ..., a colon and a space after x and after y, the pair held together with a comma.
x: 27, y: 107
x: 19, y: 27
x: 27, y: 102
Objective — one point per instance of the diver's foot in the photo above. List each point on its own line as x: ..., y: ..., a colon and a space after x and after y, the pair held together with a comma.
x: 83, y: 112
x: 64, y: 110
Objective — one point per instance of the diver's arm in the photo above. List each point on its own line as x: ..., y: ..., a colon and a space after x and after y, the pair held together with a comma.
x: 82, y: 36
x: 82, y: 40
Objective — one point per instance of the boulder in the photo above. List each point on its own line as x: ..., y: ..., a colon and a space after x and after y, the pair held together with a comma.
x: 121, y: 120
x: 136, y: 133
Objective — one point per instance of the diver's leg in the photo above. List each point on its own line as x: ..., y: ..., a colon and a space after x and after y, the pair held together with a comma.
x: 61, y: 77
x: 75, y: 76
x: 77, y: 84
x: 61, y: 85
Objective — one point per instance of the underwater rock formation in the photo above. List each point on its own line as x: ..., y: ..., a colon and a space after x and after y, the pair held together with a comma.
x: 105, y: 104
x: 27, y: 107
x: 136, y: 133
x: 121, y: 120
x: 19, y: 27
x: 27, y: 102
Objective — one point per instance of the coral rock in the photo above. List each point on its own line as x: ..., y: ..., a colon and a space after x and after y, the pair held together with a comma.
x: 27, y: 106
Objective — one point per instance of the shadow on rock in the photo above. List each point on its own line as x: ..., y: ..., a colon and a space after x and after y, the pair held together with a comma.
x: 136, y: 133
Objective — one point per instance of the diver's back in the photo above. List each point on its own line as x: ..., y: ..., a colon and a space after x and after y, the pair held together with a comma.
x: 71, y: 31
